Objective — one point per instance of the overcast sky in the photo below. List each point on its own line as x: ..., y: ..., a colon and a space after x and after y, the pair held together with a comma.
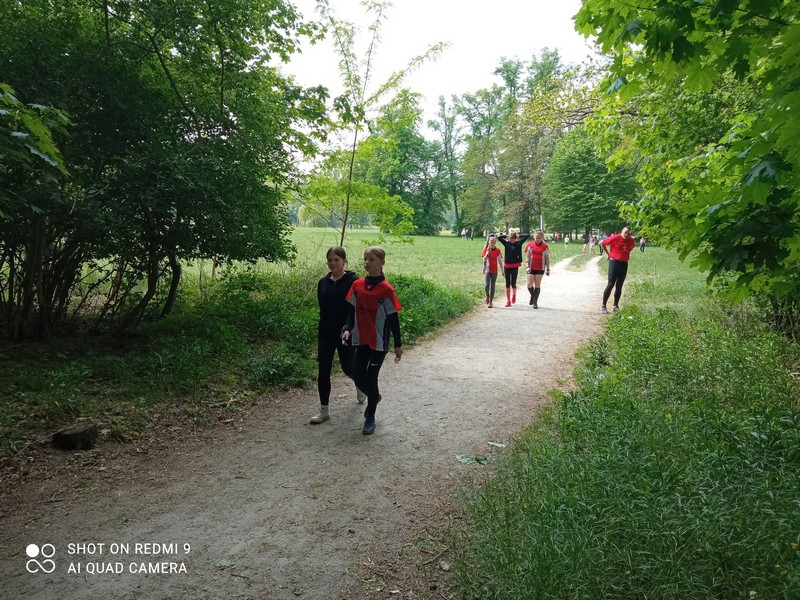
x: 479, y: 34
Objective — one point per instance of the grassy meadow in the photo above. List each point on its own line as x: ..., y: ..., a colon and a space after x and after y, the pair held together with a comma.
x: 671, y: 471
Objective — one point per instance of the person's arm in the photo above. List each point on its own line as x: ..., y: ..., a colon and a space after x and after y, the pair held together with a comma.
x: 522, y: 237
x: 547, y: 262
x: 500, y: 264
x: 349, y: 321
x: 394, y: 326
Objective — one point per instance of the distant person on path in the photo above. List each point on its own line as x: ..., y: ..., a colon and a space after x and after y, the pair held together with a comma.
x: 592, y: 242
x: 513, y: 246
x: 492, y: 265
x: 538, y: 263
x: 331, y: 293
x: 372, y: 316
x: 619, y: 248
x: 642, y: 241
x: 464, y: 233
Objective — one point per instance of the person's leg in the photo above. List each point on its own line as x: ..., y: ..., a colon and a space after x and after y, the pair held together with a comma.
x: 346, y: 359
x: 487, y: 284
x: 530, y: 283
x: 491, y: 279
x: 372, y: 370
x: 513, y: 274
x: 325, y: 352
x: 622, y: 273
x: 612, y: 278
x: 537, y: 285
x: 507, y: 272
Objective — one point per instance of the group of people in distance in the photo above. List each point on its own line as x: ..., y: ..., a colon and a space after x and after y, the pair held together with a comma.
x: 356, y: 318
x: 537, y: 262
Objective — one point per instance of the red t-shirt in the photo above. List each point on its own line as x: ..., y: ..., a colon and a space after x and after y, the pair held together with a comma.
x: 493, y: 254
x: 536, y: 253
x: 373, y: 305
x: 618, y: 247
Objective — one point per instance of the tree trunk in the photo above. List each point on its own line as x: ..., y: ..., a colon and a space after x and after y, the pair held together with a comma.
x: 135, y: 315
x: 176, y: 268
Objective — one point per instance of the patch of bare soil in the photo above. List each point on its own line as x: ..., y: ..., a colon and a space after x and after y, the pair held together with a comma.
x: 264, y: 505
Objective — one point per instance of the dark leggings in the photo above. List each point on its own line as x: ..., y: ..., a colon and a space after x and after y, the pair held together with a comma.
x: 490, y: 281
x: 367, y: 366
x: 617, y: 271
x: 325, y: 352
x: 511, y: 276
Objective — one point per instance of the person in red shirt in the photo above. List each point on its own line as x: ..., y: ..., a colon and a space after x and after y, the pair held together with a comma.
x: 538, y: 264
x: 619, y: 248
x: 373, y: 315
x: 492, y: 265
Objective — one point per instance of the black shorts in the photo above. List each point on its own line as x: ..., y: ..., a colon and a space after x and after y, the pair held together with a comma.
x: 537, y: 271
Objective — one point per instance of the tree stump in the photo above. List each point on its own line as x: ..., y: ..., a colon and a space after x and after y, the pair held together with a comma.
x: 78, y: 437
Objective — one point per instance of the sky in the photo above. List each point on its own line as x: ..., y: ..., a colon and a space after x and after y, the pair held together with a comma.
x: 479, y: 34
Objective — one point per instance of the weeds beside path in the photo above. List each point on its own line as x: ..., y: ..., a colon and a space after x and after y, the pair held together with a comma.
x: 272, y: 507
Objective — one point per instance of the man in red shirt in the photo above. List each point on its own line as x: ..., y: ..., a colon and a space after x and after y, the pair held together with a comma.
x: 619, y: 248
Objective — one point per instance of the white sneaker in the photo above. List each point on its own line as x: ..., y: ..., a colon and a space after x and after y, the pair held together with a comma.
x: 361, y: 397
x: 322, y: 416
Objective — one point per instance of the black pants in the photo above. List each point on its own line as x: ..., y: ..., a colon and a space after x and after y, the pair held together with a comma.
x: 617, y: 272
x: 511, y: 276
x: 365, y: 373
x: 325, y: 351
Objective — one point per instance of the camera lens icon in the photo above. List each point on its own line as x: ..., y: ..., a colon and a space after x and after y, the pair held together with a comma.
x: 34, y: 565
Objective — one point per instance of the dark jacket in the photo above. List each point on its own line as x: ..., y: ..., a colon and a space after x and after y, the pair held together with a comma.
x: 332, y: 306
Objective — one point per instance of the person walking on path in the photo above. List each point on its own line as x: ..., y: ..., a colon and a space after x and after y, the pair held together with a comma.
x: 372, y: 315
x: 642, y: 241
x: 492, y: 265
x: 513, y: 246
x: 537, y: 254
x: 331, y: 293
x: 619, y: 248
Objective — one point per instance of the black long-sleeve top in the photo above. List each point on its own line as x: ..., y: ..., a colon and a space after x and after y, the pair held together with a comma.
x: 513, y: 249
x: 333, y: 307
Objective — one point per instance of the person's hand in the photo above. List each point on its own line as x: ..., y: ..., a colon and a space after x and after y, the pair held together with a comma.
x: 547, y: 272
x: 398, y: 354
x: 345, y: 338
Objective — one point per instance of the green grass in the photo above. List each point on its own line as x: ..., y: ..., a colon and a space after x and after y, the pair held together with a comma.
x: 670, y: 472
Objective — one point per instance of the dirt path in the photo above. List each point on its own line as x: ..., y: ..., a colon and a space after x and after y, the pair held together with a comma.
x: 272, y: 507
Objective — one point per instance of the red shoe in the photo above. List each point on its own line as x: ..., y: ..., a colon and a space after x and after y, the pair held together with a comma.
x: 486, y: 300
x: 489, y: 305
x: 514, y: 297
x: 508, y: 302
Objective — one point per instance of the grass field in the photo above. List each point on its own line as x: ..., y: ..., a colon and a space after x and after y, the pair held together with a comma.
x: 670, y: 472
x: 446, y: 259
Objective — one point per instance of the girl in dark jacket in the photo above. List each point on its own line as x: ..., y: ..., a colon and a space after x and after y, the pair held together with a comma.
x: 331, y: 293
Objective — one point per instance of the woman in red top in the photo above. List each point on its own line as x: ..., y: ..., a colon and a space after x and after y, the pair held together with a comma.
x: 538, y: 258
x: 619, y: 248
x: 492, y: 264
x: 373, y: 316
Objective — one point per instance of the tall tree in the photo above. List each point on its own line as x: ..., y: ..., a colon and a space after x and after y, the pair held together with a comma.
x: 359, y: 97
x: 733, y: 202
x: 580, y: 192
x: 181, y: 145
x: 447, y: 153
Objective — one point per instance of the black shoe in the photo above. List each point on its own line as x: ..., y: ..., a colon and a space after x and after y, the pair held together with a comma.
x: 369, y: 427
